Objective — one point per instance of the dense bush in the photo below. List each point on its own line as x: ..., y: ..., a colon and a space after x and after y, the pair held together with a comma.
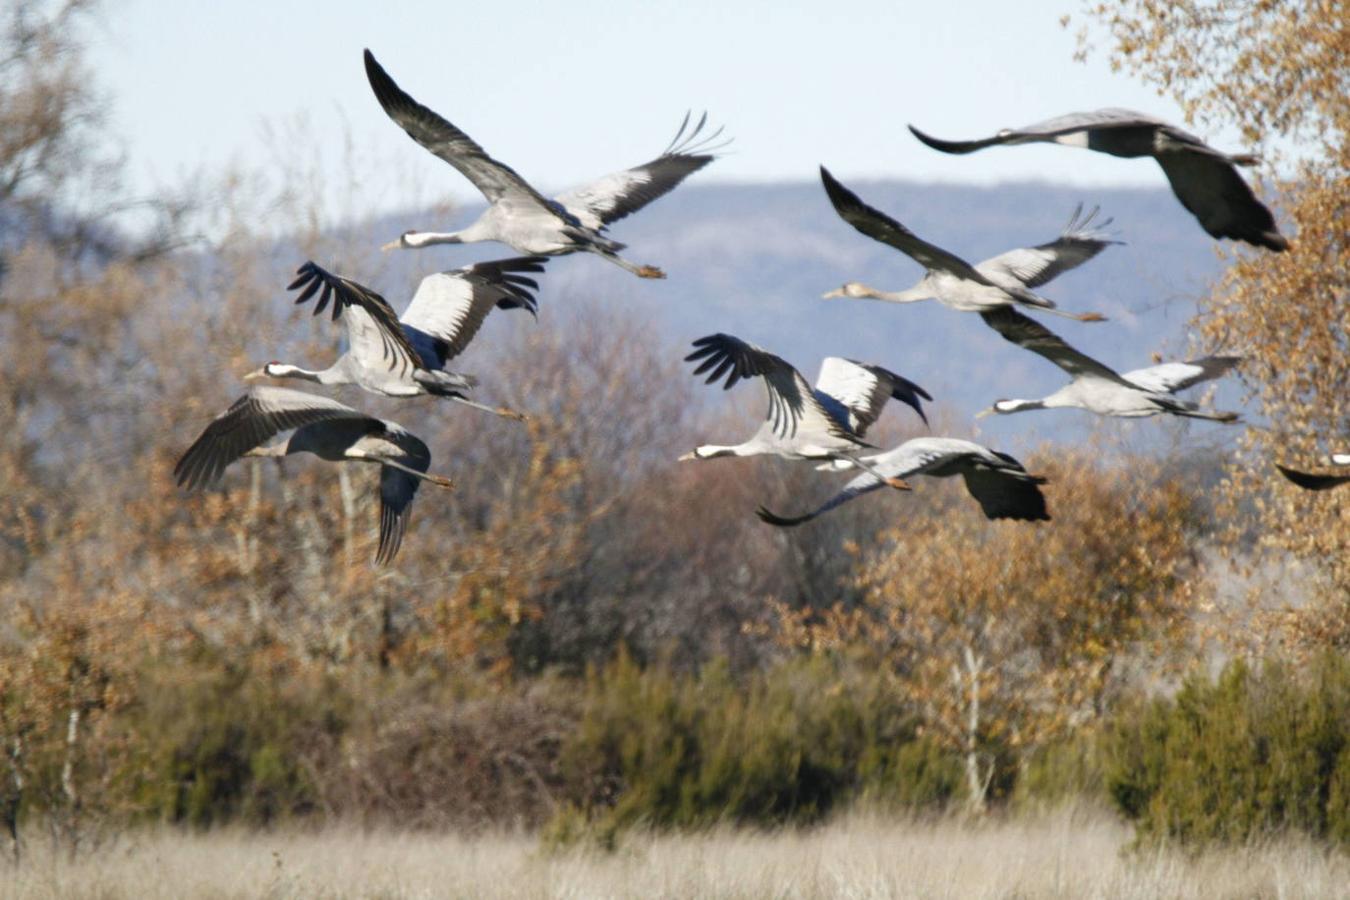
x: 1255, y: 751
x: 785, y: 745
x: 207, y: 743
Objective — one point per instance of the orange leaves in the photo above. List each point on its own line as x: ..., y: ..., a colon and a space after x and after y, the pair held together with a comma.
x: 1276, y: 69
x: 1006, y: 632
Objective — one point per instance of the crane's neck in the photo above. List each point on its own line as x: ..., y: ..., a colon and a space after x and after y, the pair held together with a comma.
x: 1014, y: 406
x: 413, y: 240
x: 709, y: 451
x: 909, y: 295
x: 331, y: 375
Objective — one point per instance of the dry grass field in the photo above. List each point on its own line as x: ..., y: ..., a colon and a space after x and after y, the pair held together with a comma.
x: 1064, y: 855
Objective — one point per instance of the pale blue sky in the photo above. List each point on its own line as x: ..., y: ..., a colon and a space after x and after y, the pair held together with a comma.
x: 567, y: 91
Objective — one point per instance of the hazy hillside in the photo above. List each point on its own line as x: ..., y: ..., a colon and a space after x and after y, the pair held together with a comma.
x: 753, y: 260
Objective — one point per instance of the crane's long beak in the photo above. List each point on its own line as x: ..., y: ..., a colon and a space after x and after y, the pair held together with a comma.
x: 256, y: 374
x: 985, y: 412
x: 688, y: 456
x: 837, y: 292
x: 900, y: 484
x: 392, y: 245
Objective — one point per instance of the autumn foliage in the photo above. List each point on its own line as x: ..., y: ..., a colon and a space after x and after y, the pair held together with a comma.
x: 1279, y: 73
x: 585, y: 635
x: 1009, y: 637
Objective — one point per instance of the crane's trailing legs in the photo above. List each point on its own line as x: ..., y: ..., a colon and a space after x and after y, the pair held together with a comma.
x: 641, y: 271
x: 898, y: 483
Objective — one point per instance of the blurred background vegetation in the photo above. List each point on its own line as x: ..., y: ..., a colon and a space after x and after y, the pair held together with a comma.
x: 584, y: 636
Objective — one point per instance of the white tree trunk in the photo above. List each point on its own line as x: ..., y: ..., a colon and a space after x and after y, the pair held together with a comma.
x: 967, y: 684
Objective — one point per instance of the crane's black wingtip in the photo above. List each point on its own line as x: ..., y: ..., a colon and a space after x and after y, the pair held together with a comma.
x: 386, y: 90
x: 925, y: 138
x: 959, y: 148
x: 1274, y: 241
x: 1310, y: 481
x: 841, y: 197
x: 765, y: 515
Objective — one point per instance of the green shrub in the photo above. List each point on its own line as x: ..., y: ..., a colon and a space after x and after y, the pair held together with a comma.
x: 1248, y: 754
x: 225, y: 744
x: 787, y: 745
x: 1066, y: 772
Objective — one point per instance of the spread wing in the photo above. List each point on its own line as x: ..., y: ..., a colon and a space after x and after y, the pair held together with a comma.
x: 1032, y: 335
x: 1034, y: 266
x: 1210, y: 187
x: 374, y: 332
x: 1170, y: 377
x: 496, y: 180
x: 251, y: 420
x: 881, y: 227
x: 1311, y: 481
x: 998, y: 482
x: 1045, y: 131
x: 863, y: 390
x: 397, y: 489
x: 911, y: 458
x: 793, y: 406
x: 1006, y: 492
x: 618, y: 194
x: 449, y: 307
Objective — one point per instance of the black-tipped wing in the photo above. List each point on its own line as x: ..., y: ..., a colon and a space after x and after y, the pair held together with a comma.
x: 998, y: 482
x: 881, y: 227
x: 1312, y: 481
x: 1034, y: 266
x: 863, y: 484
x: 957, y: 147
x: 793, y: 405
x: 863, y: 390
x: 397, y: 489
x: 496, y: 180
x: 1007, y: 493
x: 252, y: 419
x: 374, y: 332
x: 1176, y: 376
x: 913, y: 457
x: 1211, y: 188
x: 1049, y: 130
x: 618, y: 194
x: 1032, y: 335
x: 450, y: 307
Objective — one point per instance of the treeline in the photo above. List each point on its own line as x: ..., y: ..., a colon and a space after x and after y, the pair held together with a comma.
x: 1247, y: 754
x: 584, y: 635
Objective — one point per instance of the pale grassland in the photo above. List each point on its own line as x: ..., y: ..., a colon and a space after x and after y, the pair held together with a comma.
x: 1063, y: 855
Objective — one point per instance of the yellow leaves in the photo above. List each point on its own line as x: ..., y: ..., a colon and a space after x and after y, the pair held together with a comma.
x: 1275, y: 68
x: 1025, y: 620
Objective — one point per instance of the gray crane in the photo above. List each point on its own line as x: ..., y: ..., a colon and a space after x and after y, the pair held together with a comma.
x: 827, y: 422
x: 1004, y: 489
x: 1314, y: 481
x: 519, y: 215
x: 1027, y: 267
x: 1099, y: 388
x: 1205, y: 180
x: 406, y: 356
x: 949, y: 279
x: 328, y: 429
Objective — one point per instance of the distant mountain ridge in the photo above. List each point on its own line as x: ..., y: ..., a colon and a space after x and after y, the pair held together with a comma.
x: 753, y: 260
